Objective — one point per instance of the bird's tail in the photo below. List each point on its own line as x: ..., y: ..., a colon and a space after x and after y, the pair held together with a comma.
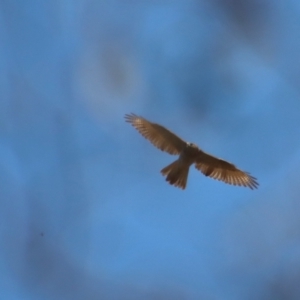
x: 177, y: 173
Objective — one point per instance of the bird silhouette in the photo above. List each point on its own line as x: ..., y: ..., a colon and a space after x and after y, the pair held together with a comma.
x: 177, y: 172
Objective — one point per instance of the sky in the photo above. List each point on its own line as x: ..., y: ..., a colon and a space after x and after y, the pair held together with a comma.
x: 84, y: 210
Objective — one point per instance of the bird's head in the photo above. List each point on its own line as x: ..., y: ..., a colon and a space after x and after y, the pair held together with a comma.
x: 192, y: 145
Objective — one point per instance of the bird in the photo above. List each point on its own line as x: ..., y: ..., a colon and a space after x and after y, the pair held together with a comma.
x: 177, y: 172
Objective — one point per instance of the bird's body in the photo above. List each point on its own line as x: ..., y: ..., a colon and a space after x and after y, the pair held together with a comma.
x: 177, y: 172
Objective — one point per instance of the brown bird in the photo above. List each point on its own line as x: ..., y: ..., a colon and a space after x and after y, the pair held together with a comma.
x: 177, y: 172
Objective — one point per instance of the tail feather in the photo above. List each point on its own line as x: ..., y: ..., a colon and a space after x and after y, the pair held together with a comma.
x: 176, y: 173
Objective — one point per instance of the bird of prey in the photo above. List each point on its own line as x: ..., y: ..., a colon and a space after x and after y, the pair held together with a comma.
x: 177, y: 172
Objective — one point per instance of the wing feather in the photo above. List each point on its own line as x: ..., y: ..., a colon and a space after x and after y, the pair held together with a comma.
x: 222, y: 170
x: 158, y: 135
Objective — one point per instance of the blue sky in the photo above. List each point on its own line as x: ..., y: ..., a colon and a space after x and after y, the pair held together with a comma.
x: 85, y: 212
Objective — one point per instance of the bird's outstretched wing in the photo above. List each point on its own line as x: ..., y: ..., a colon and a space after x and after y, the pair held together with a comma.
x: 222, y: 170
x: 158, y: 135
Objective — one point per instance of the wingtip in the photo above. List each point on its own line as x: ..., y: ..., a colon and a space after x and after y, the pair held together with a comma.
x: 130, y: 117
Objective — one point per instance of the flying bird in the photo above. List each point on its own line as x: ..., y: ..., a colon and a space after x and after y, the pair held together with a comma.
x: 177, y: 172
